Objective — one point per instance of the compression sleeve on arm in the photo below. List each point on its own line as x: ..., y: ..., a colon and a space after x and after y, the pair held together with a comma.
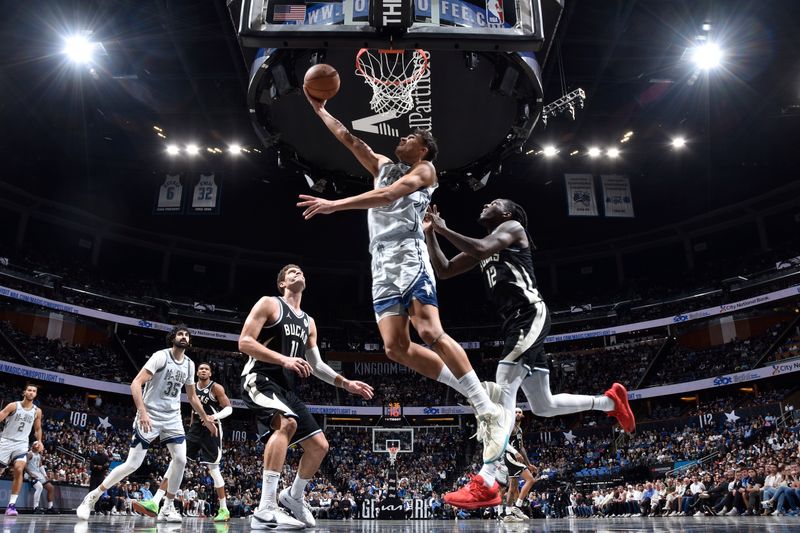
x: 224, y: 412
x: 320, y: 368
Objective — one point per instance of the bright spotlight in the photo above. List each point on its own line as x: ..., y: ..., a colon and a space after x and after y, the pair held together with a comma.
x: 678, y: 142
x: 192, y: 149
x: 613, y: 153
x: 79, y: 49
x: 549, y: 150
x: 173, y: 149
x: 594, y: 151
x: 707, y: 56
x: 234, y: 149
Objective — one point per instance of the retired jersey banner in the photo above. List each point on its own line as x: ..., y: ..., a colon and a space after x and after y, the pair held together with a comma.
x: 617, y: 196
x: 206, y: 194
x: 169, y: 197
x: 580, y: 195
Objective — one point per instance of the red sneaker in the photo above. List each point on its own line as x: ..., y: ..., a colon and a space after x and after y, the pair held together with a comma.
x: 622, y: 409
x: 474, y: 495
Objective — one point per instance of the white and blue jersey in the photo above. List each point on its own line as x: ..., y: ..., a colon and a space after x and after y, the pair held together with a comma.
x: 401, y: 268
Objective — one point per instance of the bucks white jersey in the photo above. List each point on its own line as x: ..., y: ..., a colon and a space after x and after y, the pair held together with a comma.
x: 18, y: 425
x: 162, y: 394
x: 402, y: 219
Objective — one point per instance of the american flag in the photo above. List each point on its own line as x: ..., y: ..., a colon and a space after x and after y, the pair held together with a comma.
x: 289, y: 12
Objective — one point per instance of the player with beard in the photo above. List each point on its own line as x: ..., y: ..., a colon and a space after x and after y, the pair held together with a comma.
x: 505, y: 259
x: 158, y: 416
x: 20, y: 418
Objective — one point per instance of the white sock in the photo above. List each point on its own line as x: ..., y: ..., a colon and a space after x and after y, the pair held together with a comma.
x: 488, y: 473
x: 223, y: 503
x: 518, y: 503
x: 49, y: 505
x: 298, y: 487
x: 447, y: 377
x: 167, y: 502
x: 159, y: 495
x: 475, y: 392
x: 269, y: 489
x: 96, y: 493
x: 498, y: 509
x: 12, y: 500
x: 603, y: 403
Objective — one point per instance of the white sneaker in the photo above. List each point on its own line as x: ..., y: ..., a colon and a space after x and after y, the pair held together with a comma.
x: 516, y: 511
x: 274, y: 519
x: 493, y: 433
x: 698, y: 513
x: 733, y: 512
x: 511, y: 518
x: 168, y: 513
x: 299, y: 508
x: 84, y: 510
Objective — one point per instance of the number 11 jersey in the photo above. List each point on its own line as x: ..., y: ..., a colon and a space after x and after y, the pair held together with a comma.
x: 288, y: 335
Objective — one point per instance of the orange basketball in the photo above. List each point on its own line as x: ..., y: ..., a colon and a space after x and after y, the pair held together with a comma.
x: 321, y: 81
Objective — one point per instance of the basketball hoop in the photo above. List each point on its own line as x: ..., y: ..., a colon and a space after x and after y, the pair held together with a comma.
x: 393, y: 76
x: 392, y: 454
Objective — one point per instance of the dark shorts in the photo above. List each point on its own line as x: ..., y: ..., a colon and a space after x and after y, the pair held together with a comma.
x: 515, y: 468
x: 202, y: 446
x: 524, y: 332
x: 266, y: 398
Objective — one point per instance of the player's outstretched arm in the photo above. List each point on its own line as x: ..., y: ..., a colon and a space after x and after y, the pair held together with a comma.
x: 266, y: 311
x: 421, y: 175
x: 8, y: 410
x: 501, y: 238
x: 444, y: 267
x: 321, y: 370
x: 368, y: 159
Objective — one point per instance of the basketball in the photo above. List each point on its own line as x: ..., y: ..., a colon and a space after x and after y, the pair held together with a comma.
x: 321, y: 81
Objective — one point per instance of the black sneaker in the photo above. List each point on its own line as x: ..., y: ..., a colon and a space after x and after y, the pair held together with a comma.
x: 38, y: 510
x: 51, y: 510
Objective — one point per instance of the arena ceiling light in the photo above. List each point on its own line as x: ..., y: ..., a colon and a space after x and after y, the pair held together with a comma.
x: 707, y: 55
x: 234, y: 149
x: 192, y: 149
x: 613, y: 153
x: 550, y: 151
x: 79, y: 49
x: 173, y: 149
x: 594, y: 152
x: 678, y: 142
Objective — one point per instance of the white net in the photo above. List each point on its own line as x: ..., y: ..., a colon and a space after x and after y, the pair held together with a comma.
x: 393, y: 76
x: 393, y: 454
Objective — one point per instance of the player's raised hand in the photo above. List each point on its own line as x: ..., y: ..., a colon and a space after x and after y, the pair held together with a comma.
x: 359, y: 388
x: 317, y: 105
x: 208, y: 422
x: 297, y: 365
x: 434, y: 219
x: 315, y: 206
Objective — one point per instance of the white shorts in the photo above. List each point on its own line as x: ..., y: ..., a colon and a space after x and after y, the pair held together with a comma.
x: 37, y: 476
x: 12, y: 451
x: 170, y: 430
x: 401, y: 271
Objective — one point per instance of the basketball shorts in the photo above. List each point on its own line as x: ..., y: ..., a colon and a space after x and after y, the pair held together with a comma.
x: 35, y: 476
x: 266, y: 398
x: 501, y: 474
x: 401, y: 272
x: 12, y: 451
x: 202, y: 446
x: 524, y: 331
x: 513, y: 465
x: 166, y: 430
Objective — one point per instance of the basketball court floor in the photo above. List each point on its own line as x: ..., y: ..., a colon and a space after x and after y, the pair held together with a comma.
x: 129, y: 524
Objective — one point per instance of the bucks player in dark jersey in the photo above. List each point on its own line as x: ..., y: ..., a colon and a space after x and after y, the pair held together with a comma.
x: 200, y: 444
x: 281, y: 342
x: 504, y: 257
x: 518, y: 464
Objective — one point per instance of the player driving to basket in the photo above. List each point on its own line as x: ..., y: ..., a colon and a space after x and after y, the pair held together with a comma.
x: 403, y: 287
